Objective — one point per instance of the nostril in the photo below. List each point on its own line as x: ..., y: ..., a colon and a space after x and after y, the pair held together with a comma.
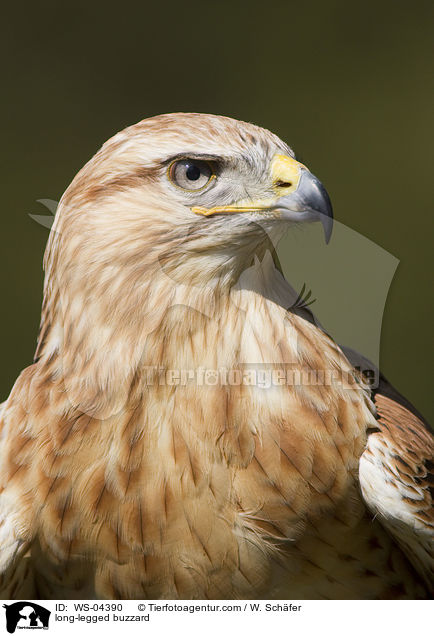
x: 283, y: 184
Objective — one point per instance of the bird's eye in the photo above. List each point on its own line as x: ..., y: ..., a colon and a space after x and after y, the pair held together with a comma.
x: 190, y: 174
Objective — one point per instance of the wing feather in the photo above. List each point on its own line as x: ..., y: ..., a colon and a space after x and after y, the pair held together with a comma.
x: 396, y: 478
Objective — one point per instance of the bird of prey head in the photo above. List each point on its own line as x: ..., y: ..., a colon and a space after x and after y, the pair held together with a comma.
x: 209, y: 178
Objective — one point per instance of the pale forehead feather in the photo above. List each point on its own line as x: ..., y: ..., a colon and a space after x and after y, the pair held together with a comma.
x: 157, y: 138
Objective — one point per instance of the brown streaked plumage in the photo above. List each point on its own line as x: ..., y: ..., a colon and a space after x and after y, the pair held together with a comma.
x: 115, y: 484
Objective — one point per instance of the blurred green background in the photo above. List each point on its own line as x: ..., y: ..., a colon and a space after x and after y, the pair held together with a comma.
x: 346, y: 84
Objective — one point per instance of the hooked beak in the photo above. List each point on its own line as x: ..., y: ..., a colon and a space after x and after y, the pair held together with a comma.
x: 302, y: 198
x: 309, y: 202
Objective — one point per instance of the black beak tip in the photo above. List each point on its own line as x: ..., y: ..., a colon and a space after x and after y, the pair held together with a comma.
x: 327, y: 223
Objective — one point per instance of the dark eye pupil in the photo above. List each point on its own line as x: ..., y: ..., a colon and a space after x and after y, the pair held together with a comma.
x: 192, y: 173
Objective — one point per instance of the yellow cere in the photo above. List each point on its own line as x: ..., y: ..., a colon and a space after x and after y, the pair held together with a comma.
x: 284, y: 170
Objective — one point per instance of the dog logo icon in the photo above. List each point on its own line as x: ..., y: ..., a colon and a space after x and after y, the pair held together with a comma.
x: 26, y: 615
